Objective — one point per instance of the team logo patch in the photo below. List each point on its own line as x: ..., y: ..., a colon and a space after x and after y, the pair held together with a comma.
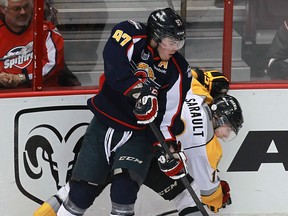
x: 145, y: 56
x: 47, y: 142
x: 19, y: 57
x: 145, y: 72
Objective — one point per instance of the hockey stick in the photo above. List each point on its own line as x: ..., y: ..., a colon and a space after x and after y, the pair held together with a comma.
x: 184, y: 180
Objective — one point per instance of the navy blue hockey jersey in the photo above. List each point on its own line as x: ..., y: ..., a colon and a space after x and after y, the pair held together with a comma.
x: 125, y: 51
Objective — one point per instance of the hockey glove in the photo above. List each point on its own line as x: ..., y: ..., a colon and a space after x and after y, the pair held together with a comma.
x: 146, y: 107
x: 226, y: 193
x: 175, y: 167
x: 213, y: 80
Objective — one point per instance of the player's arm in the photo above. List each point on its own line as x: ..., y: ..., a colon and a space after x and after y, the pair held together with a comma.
x: 123, y: 75
x: 209, y: 83
x: 204, y: 161
x: 174, y: 167
x: 120, y: 75
x: 172, y: 97
x: 117, y: 54
x: 219, y: 198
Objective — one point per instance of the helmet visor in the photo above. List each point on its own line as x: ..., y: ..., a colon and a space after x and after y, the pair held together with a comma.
x: 224, y: 129
x: 171, y: 43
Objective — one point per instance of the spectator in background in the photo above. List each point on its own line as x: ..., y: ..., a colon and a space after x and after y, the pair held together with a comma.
x: 277, y: 54
x: 66, y: 77
x: 16, y: 42
x: 50, y: 12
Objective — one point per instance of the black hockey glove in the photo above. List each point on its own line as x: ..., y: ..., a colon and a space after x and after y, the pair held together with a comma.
x: 175, y: 167
x: 213, y: 80
x: 146, y: 107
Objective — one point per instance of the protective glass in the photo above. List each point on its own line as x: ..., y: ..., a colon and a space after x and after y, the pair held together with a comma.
x: 171, y: 43
x: 224, y: 129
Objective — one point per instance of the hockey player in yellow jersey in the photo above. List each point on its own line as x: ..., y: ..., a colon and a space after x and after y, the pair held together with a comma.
x: 208, y: 112
x: 205, y: 119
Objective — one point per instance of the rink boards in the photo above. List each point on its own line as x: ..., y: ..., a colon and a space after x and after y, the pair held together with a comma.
x: 41, y: 135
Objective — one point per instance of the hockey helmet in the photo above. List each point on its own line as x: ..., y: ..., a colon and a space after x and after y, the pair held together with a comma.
x: 213, y: 80
x: 166, y: 23
x: 226, y: 110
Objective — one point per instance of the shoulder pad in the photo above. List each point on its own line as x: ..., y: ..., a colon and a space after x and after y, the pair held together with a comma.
x: 130, y: 27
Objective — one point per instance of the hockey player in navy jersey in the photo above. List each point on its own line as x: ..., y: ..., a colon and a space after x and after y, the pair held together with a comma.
x: 146, y: 79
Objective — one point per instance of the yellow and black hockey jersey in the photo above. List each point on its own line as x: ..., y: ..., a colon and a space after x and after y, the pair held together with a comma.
x: 200, y: 145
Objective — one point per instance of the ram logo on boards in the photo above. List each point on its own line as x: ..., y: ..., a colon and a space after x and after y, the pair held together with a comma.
x: 47, y: 142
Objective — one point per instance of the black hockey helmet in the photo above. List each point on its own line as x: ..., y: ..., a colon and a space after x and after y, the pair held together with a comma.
x: 213, y: 80
x: 227, y: 110
x: 165, y: 23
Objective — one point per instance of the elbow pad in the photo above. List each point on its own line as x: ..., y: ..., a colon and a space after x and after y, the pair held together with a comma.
x: 219, y: 198
x: 214, y: 201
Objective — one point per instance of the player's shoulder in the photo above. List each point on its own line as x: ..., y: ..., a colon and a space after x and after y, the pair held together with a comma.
x: 130, y: 27
x: 198, y: 99
x: 179, y: 57
x: 181, y: 63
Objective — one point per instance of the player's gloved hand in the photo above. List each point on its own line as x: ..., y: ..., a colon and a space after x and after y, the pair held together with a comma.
x: 213, y: 80
x: 146, y: 107
x: 226, y: 193
x: 175, y: 167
